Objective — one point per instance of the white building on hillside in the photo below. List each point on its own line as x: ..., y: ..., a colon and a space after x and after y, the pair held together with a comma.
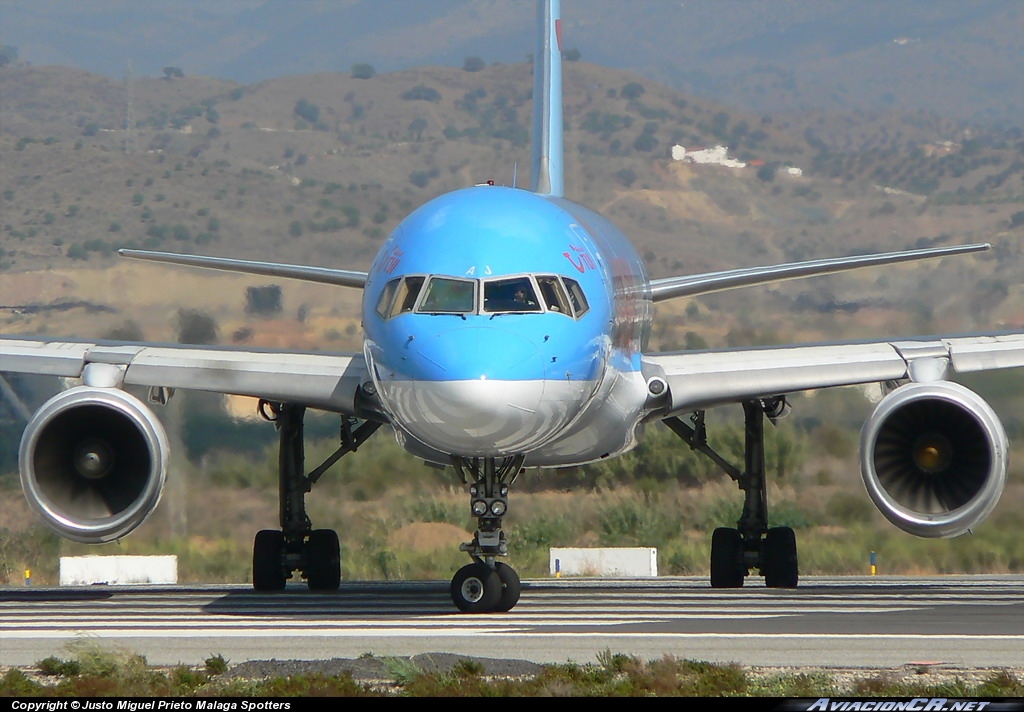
x: 718, y: 155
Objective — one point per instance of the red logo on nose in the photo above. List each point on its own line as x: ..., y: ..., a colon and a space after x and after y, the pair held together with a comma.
x: 391, y: 261
x: 581, y: 260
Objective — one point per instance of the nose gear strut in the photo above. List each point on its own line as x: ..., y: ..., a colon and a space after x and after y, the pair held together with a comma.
x: 487, y: 585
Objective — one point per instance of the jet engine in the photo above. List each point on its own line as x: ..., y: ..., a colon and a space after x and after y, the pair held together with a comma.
x: 93, y: 463
x: 934, y: 457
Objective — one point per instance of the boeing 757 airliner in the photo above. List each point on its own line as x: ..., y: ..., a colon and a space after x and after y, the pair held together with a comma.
x: 506, y: 328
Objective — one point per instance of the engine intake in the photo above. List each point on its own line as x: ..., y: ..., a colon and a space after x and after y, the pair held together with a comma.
x: 93, y: 463
x: 934, y: 458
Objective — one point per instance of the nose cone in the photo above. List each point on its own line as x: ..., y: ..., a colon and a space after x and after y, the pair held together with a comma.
x: 478, y: 418
x: 476, y: 391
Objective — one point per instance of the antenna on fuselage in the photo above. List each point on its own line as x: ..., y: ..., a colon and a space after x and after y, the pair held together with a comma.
x: 547, y: 101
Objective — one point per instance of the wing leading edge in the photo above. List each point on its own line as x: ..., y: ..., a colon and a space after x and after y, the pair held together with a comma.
x: 701, y: 379
x: 688, y: 286
x: 331, y: 382
x: 323, y: 275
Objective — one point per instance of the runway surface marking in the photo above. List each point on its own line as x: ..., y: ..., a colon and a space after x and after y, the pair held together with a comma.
x: 414, y: 609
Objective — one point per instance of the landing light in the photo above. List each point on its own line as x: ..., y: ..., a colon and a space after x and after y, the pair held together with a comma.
x: 479, y: 508
x: 499, y: 507
x: 656, y: 386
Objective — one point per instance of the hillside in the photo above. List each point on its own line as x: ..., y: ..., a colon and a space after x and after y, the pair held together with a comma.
x: 319, y: 168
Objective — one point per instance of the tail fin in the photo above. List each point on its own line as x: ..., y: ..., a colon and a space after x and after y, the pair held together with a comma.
x: 547, y: 101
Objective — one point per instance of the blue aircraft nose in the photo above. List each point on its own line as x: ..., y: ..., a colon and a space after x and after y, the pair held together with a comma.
x: 475, y: 391
x: 474, y: 353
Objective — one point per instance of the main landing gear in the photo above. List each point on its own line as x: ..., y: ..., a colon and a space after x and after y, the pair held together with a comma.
x: 752, y: 544
x: 487, y: 585
x: 315, y: 553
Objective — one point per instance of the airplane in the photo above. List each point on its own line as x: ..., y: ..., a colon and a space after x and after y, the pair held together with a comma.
x: 470, y: 376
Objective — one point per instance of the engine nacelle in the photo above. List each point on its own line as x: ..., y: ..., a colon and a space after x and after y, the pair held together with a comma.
x: 934, y: 458
x: 93, y: 463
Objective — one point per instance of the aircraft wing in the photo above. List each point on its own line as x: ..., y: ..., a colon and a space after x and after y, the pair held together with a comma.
x: 701, y: 379
x: 323, y: 275
x: 328, y: 381
x: 693, y: 285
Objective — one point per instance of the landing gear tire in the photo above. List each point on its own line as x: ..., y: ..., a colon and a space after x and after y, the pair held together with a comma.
x: 268, y: 561
x: 778, y: 558
x: 726, y: 552
x: 323, y: 556
x: 511, y: 587
x: 476, y: 588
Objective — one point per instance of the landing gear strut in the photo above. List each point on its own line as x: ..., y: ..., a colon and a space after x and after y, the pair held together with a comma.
x: 315, y: 553
x: 487, y: 585
x: 752, y: 544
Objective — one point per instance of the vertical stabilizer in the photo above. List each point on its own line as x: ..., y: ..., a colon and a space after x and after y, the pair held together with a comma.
x: 547, y: 101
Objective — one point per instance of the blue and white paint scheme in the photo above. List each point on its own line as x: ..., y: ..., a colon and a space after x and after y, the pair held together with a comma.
x: 507, y: 328
x: 491, y: 376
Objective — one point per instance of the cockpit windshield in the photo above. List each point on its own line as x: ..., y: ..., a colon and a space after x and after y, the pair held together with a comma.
x: 510, y: 295
x: 449, y: 296
x: 543, y: 293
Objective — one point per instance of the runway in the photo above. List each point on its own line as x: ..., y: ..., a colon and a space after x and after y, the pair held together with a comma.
x: 957, y: 621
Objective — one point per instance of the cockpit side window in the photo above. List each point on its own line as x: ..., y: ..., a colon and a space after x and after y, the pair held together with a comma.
x: 510, y: 295
x: 449, y: 296
x: 553, y: 294
x: 387, y: 295
x: 580, y: 306
x: 407, y: 295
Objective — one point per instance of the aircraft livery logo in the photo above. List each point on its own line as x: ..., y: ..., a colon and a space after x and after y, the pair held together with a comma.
x: 581, y: 261
x: 391, y: 261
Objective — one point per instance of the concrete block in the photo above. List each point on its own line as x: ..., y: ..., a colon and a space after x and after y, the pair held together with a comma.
x: 610, y: 561
x: 89, y: 570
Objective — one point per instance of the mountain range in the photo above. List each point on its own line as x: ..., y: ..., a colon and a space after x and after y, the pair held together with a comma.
x: 961, y: 60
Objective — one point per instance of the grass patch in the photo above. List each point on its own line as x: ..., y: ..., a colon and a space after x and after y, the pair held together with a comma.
x: 92, y: 669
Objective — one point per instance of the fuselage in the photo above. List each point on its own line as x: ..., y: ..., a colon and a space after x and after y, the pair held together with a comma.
x: 501, y: 321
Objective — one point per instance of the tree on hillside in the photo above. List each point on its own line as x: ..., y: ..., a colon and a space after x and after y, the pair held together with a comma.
x: 307, y: 110
x: 571, y: 55
x: 265, y: 301
x: 363, y: 71
x: 767, y: 172
x: 172, y: 72
x: 416, y: 127
x: 626, y: 177
x: 129, y: 330
x: 472, y: 64
x: 633, y: 90
x: 645, y: 142
x: 195, y: 327
x: 421, y: 92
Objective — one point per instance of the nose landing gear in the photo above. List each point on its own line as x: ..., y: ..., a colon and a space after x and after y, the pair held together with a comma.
x: 487, y: 585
